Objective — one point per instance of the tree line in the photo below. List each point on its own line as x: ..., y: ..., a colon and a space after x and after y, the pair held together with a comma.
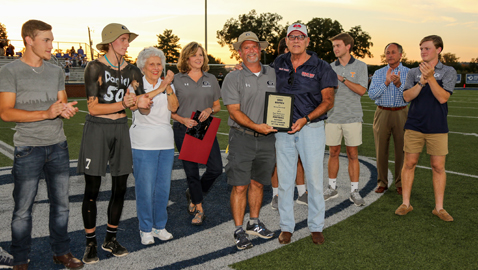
x: 267, y: 27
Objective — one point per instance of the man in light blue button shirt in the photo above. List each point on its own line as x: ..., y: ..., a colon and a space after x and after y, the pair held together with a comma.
x: 391, y: 114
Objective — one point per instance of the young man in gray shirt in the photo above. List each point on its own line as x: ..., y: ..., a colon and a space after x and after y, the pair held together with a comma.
x: 345, y: 118
x: 32, y: 94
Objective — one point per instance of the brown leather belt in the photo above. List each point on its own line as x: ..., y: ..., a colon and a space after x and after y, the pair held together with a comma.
x: 249, y: 132
x: 392, y: 108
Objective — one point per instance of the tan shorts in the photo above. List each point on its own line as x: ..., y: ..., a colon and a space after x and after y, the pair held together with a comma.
x: 437, y: 143
x: 352, y: 133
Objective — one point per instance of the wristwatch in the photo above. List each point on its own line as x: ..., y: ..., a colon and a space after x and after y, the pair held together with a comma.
x: 212, y: 110
x: 308, y: 120
x: 421, y: 85
x: 344, y: 79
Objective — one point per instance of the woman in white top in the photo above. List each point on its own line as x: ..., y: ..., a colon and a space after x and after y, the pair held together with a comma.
x: 152, y: 141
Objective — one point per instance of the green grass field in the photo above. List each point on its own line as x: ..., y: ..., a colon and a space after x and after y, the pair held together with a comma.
x: 376, y: 238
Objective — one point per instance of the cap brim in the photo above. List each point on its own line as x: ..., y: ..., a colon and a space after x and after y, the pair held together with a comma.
x: 262, y: 44
x: 298, y: 31
x: 132, y: 36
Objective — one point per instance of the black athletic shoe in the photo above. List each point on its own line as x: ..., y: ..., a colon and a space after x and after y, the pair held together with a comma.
x: 91, y: 254
x: 115, y: 248
x: 242, y: 242
x: 259, y: 230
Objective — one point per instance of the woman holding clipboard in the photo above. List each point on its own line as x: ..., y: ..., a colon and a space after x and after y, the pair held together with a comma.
x: 197, y: 90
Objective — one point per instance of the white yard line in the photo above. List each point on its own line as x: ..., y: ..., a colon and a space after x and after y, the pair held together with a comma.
x: 429, y: 168
x: 6, y: 149
x: 459, y: 116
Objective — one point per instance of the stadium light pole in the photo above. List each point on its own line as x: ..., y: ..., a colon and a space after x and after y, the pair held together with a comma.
x: 205, y: 23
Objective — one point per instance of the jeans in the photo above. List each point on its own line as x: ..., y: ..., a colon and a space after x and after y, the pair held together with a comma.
x: 152, y: 174
x: 28, y: 164
x: 309, y: 143
x: 199, y: 186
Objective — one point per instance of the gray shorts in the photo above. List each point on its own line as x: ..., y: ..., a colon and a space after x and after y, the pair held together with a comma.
x: 250, y: 158
x: 105, y: 140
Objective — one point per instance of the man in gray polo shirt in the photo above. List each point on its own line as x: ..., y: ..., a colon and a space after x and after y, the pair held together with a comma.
x: 345, y: 118
x: 251, y: 145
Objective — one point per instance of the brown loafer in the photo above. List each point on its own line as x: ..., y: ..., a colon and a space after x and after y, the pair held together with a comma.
x: 318, y: 238
x: 21, y: 267
x: 284, y: 237
x: 69, y: 261
x: 381, y: 189
x: 403, y: 210
x: 399, y: 191
x: 442, y: 214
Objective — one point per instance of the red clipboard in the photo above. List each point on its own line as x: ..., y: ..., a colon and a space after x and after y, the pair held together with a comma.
x: 196, y: 150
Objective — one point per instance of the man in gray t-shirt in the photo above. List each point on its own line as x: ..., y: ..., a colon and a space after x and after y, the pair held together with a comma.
x: 345, y: 119
x: 32, y: 94
x: 251, y: 142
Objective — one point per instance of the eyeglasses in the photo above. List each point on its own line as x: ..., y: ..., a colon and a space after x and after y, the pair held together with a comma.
x: 291, y: 77
x: 299, y: 37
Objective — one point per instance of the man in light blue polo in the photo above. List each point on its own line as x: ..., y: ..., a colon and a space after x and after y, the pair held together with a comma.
x: 390, y: 116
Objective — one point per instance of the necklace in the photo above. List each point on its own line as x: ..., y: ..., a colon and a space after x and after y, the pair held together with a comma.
x: 43, y: 65
x: 106, y: 57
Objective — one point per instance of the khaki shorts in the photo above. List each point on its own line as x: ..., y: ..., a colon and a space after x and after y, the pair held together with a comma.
x: 352, y: 133
x: 437, y: 143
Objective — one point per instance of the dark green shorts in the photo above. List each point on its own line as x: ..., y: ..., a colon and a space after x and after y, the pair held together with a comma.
x: 105, y: 141
x: 250, y: 158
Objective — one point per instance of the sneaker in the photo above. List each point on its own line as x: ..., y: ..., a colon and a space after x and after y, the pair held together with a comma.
x: 114, y: 247
x: 6, y: 260
x: 259, y: 230
x: 330, y: 193
x: 162, y: 234
x: 275, y: 202
x: 146, y: 238
x: 304, y: 199
x: 91, y: 254
x: 242, y: 242
x: 356, y: 198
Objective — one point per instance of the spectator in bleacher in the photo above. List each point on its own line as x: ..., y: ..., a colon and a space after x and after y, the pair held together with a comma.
x: 2, y: 50
x: 10, y: 50
x: 84, y: 62
x: 81, y: 53
x: 67, y: 67
x: 74, y: 60
x: 72, y: 51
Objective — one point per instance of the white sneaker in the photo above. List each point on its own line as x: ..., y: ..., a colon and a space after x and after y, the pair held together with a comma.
x: 162, y: 234
x: 146, y: 238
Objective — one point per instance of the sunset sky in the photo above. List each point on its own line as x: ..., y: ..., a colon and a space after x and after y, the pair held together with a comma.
x: 405, y: 22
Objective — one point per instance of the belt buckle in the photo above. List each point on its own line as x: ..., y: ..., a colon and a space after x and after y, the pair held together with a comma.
x: 256, y: 134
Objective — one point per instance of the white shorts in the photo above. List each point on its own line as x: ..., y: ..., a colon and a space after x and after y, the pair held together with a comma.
x: 352, y: 133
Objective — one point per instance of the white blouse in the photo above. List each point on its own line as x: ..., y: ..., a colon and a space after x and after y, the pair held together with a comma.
x: 153, y: 131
